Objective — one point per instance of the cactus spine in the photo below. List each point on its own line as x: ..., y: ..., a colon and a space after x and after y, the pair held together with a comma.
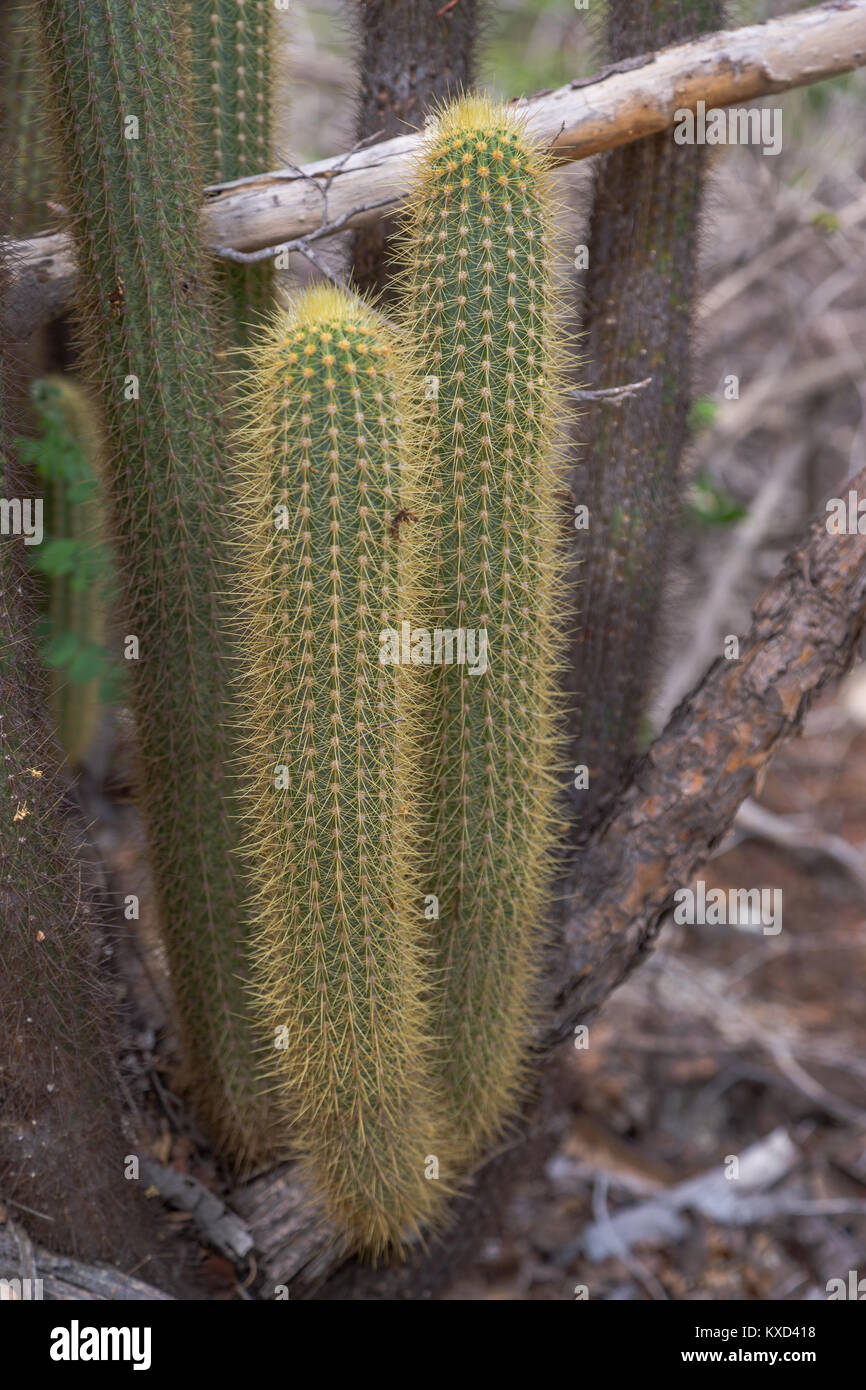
x: 639, y: 297
x: 481, y: 307
x: 332, y: 467
x: 231, y: 69
x: 118, y: 80
x: 413, y: 55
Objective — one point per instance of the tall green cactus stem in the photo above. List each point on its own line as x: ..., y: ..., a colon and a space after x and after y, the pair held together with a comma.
x: 482, y: 309
x: 413, y: 55
x: 640, y: 289
x: 232, y: 59
x: 333, y: 488
x: 148, y: 324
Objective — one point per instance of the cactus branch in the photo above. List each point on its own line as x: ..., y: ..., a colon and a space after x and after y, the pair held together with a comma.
x: 640, y: 291
x: 333, y: 754
x: 412, y: 57
x: 231, y: 59
x: 481, y: 307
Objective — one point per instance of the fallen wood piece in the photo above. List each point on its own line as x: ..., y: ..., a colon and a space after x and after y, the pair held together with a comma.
x: 62, y: 1277
x: 214, y: 1222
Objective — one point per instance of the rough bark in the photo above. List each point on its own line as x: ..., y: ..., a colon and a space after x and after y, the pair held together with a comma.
x: 412, y: 55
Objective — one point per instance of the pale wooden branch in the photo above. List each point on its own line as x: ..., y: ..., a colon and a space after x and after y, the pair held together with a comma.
x: 634, y: 99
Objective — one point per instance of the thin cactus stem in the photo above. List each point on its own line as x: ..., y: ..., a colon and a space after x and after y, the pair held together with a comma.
x: 231, y: 44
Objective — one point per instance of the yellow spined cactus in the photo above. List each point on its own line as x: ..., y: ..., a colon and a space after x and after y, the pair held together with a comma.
x: 331, y: 497
x: 482, y: 309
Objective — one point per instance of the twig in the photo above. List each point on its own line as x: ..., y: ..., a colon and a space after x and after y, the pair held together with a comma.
x: 795, y: 834
x: 65, y: 1278
x: 714, y: 611
x: 300, y: 244
x: 612, y: 394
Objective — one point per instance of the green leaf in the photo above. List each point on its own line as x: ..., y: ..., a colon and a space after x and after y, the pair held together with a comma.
x: 709, y: 504
x: 703, y: 414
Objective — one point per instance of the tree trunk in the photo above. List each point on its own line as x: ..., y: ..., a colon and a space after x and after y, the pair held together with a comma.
x: 413, y: 54
x: 640, y: 288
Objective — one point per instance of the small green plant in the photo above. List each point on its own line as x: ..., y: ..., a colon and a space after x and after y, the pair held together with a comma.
x: 62, y: 1139
x: 703, y: 414
x: 709, y: 504
x: 75, y: 561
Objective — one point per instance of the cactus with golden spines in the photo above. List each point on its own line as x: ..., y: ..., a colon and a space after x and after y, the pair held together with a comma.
x: 481, y: 308
x: 331, y: 487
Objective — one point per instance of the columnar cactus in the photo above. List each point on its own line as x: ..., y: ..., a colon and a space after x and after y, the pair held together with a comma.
x: 231, y: 53
x: 481, y: 308
x: 640, y: 289
x: 118, y: 82
x: 413, y: 55
x: 331, y: 493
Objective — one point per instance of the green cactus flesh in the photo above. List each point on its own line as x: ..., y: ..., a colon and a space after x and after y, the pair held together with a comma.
x: 481, y: 307
x: 231, y: 60
x: 28, y: 153
x: 332, y: 468
x: 118, y: 80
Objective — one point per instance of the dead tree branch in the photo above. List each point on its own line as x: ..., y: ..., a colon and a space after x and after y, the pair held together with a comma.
x: 586, y: 117
x: 63, y: 1277
x: 711, y: 756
